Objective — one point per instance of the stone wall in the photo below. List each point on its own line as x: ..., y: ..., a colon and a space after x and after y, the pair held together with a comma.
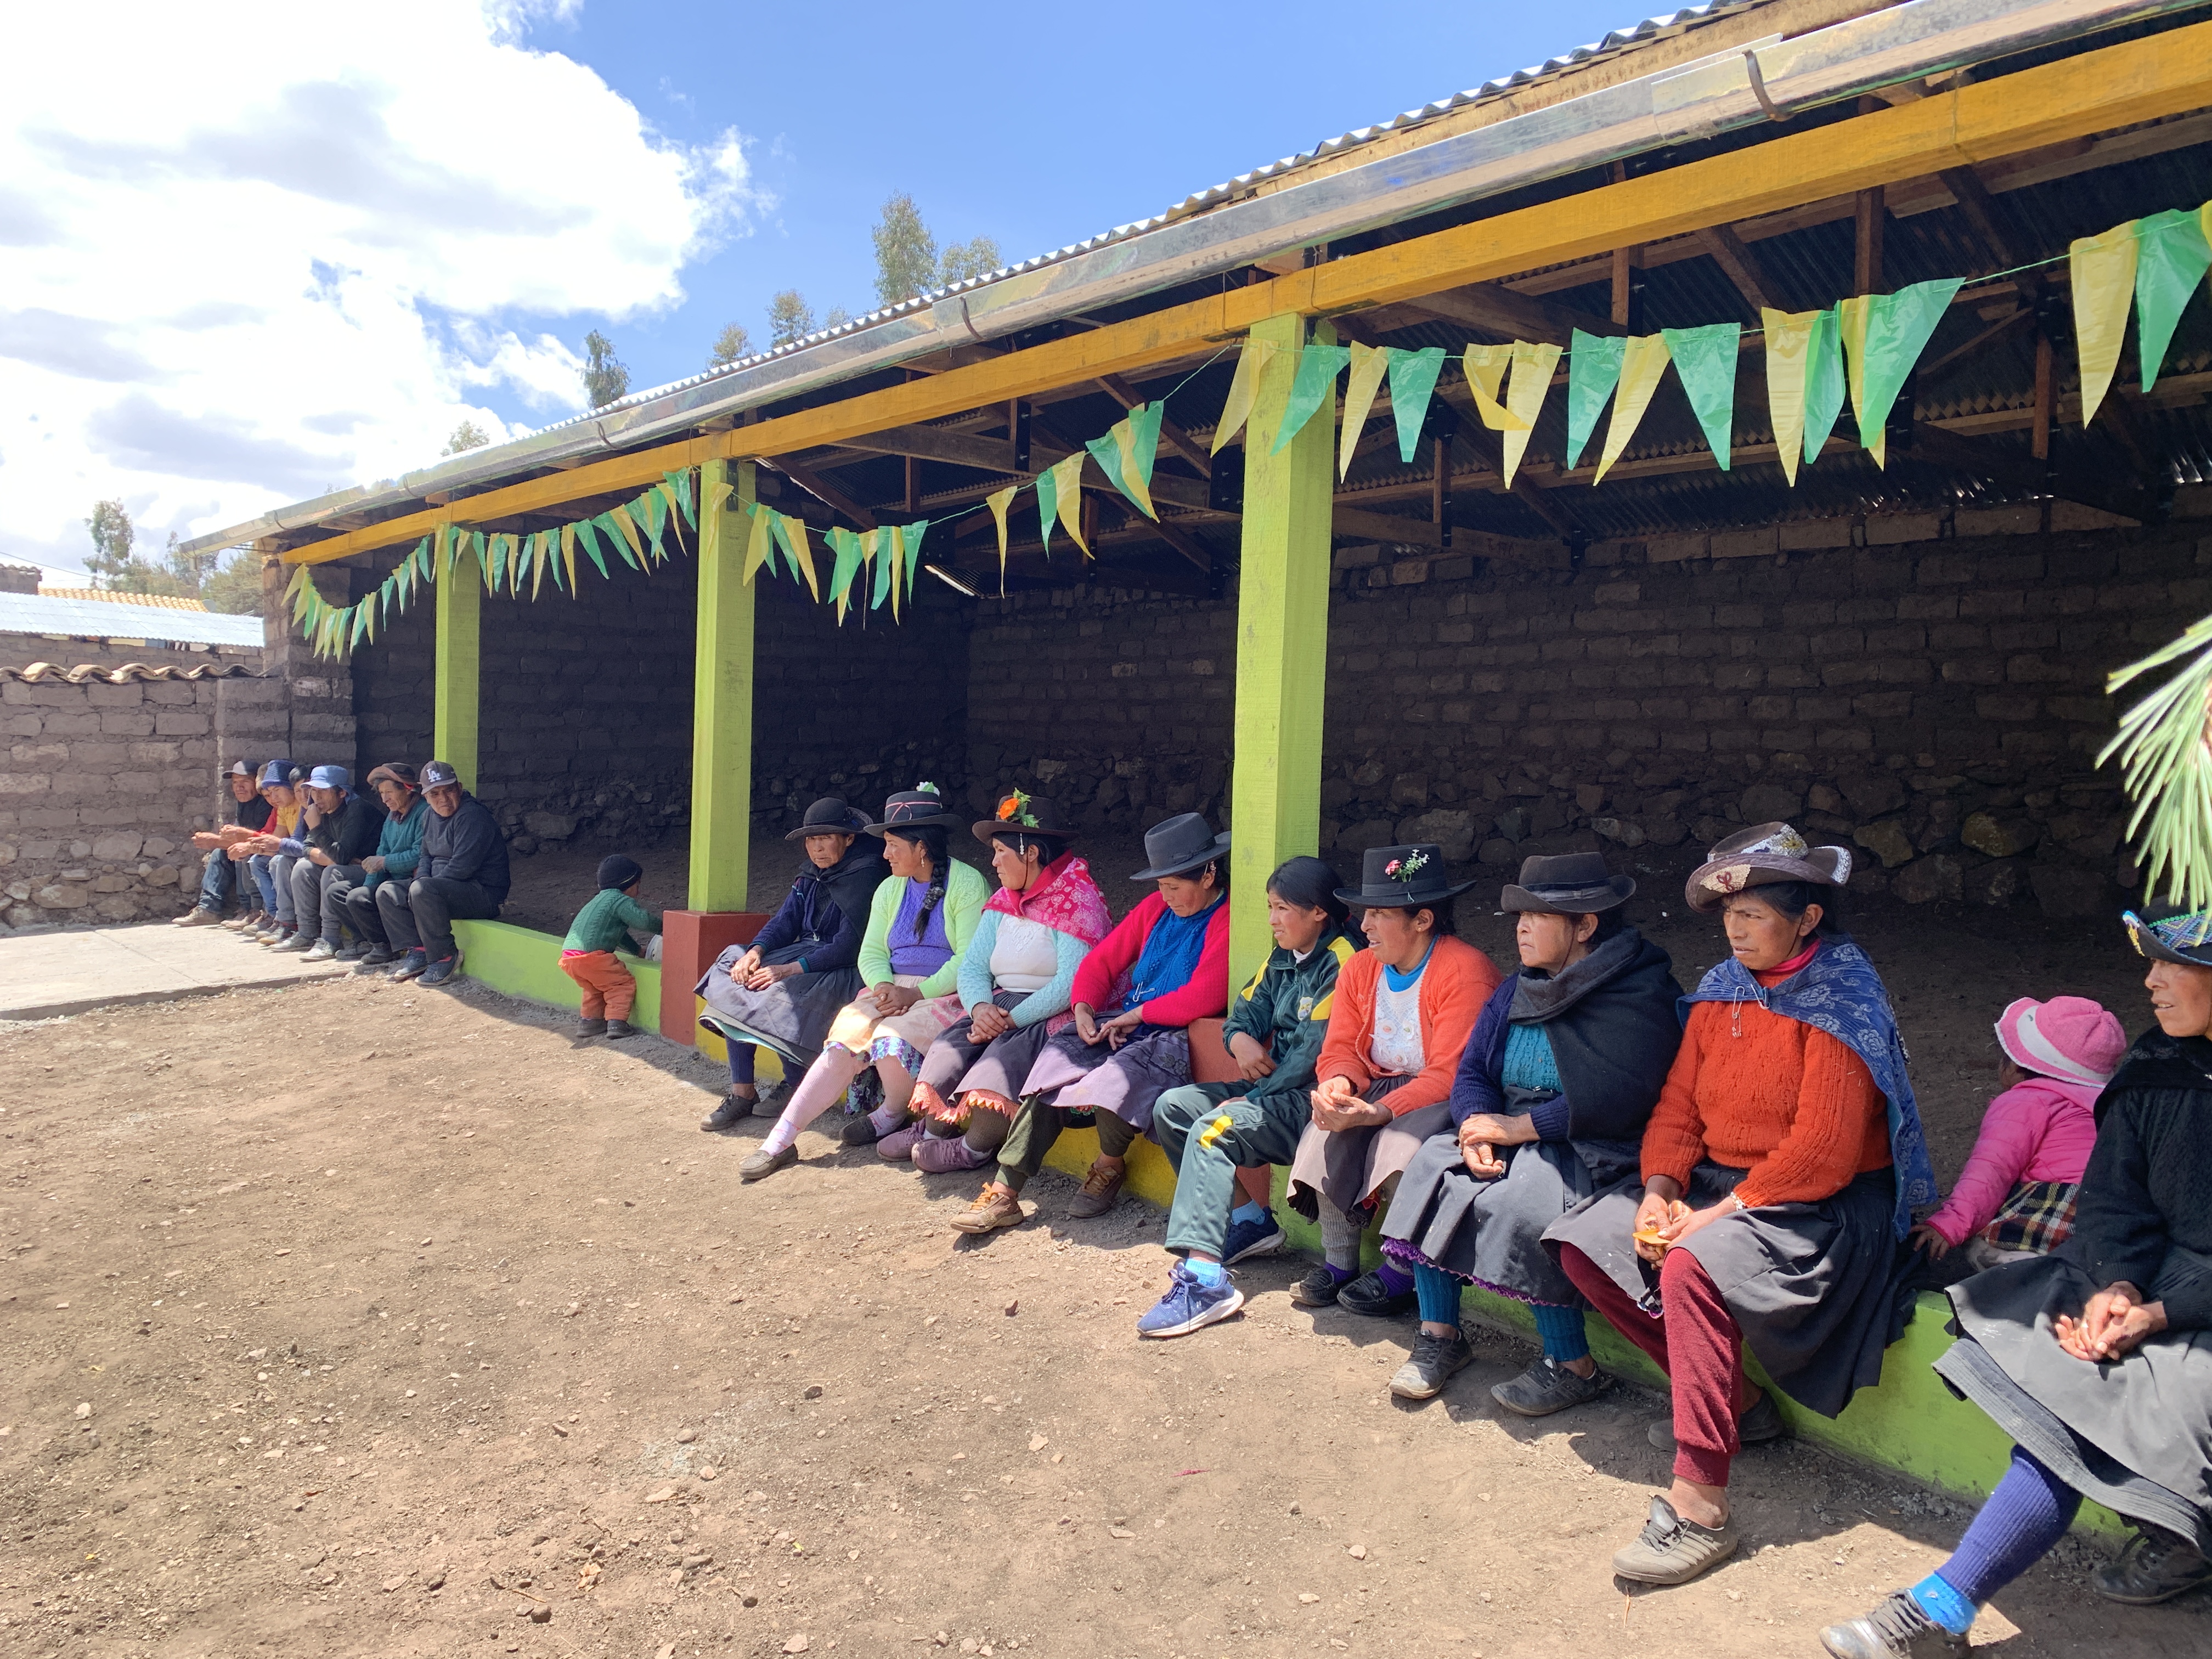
x: 22, y: 650
x: 102, y: 786
x: 1929, y: 689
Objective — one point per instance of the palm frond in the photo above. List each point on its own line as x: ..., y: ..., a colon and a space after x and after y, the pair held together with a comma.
x: 2164, y: 748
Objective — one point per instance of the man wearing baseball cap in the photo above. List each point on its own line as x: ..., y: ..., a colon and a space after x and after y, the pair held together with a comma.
x: 249, y: 815
x: 398, y: 850
x: 462, y: 876
x: 344, y: 834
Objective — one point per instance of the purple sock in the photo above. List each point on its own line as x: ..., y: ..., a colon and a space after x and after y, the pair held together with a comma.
x: 1341, y: 1275
x: 1394, y: 1281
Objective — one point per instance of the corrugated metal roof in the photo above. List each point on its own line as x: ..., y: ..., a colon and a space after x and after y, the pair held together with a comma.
x: 41, y: 613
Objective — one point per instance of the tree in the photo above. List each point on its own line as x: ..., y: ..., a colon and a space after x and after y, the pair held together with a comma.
x: 112, y: 536
x: 234, y: 588
x: 838, y: 317
x: 469, y: 435
x: 789, y: 317
x: 731, y: 344
x: 962, y: 260
x: 605, y: 378
x: 906, y: 254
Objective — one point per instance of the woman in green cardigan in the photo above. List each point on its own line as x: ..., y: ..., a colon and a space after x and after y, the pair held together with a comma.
x: 919, y: 922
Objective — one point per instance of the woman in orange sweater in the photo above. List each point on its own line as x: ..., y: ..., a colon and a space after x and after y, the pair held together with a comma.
x: 1404, y: 1008
x: 1781, y: 1169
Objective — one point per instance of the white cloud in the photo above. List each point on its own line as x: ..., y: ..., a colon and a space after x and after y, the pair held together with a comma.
x: 272, y: 248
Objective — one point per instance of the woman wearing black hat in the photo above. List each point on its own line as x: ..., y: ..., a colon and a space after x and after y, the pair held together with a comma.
x: 2097, y: 1359
x: 781, y: 991
x: 919, y: 922
x: 1165, y: 965
x: 1552, y: 1093
x: 1017, y: 982
x: 1404, y: 1008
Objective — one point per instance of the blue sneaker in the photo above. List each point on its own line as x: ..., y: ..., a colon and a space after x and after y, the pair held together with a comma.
x: 1188, y: 1305
x: 444, y: 969
x: 1250, y: 1238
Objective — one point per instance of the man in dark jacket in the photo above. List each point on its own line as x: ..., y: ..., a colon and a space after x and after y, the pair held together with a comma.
x: 344, y: 834
x: 462, y: 876
x: 398, y: 850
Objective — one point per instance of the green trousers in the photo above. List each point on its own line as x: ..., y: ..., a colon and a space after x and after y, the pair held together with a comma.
x: 1036, y: 1126
x: 1207, y: 1135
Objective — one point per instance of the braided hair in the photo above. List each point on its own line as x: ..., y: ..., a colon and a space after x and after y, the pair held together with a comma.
x: 931, y: 839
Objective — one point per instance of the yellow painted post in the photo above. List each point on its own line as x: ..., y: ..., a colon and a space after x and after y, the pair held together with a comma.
x: 1282, y: 642
x: 722, y: 695
x: 456, y: 689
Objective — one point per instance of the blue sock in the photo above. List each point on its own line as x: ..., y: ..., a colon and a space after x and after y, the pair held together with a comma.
x: 1439, y: 1294
x: 1249, y: 1212
x: 1942, y: 1603
x: 2028, y: 1512
x: 1561, y: 1329
x: 1212, y: 1275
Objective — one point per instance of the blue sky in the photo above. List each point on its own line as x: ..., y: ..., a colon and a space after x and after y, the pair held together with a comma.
x: 1037, y: 125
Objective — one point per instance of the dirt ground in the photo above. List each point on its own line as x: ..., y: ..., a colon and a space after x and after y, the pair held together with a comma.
x: 350, y: 1318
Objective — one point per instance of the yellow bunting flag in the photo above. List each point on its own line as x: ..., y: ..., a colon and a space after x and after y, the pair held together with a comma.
x: 1067, y: 477
x: 1369, y: 365
x: 999, y: 502
x: 1533, y: 366
x: 1789, y: 347
x: 760, y: 546
x: 537, y: 564
x: 801, y: 544
x: 1485, y: 369
x: 568, y: 555
x: 1852, y: 325
x: 2103, y: 269
x: 1243, y: 387
x: 1643, y: 362
x: 627, y: 525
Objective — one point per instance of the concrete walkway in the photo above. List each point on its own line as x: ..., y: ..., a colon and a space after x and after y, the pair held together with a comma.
x: 44, y: 974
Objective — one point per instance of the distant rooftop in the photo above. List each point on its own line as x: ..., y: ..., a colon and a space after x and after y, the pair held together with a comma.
x: 114, y: 596
x: 118, y: 616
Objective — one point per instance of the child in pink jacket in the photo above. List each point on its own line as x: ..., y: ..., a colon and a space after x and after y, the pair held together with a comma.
x: 2016, y: 1196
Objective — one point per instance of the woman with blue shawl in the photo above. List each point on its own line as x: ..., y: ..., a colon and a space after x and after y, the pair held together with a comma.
x: 1780, y: 1172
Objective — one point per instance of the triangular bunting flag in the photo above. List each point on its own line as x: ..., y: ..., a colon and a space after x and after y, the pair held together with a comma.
x: 1369, y: 365
x: 847, y: 546
x: 1825, y: 381
x: 1706, y: 358
x: 2103, y: 270
x: 1593, y: 371
x: 1124, y: 458
x: 1789, y: 339
x: 1486, y: 367
x: 589, y: 529
x: 791, y: 537
x: 568, y: 556
x: 1318, y: 367
x: 1884, y: 335
x: 1643, y: 362
x: 998, y: 502
x: 1243, y: 387
x: 1412, y: 383
x: 1533, y: 366
x: 630, y: 545
x: 886, y: 561
x: 1060, y: 495
x: 679, y: 484
x: 2171, y: 258
x: 910, y: 539
x: 760, y: 545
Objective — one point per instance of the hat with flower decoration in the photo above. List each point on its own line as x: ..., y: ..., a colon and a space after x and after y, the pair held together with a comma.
x: 1020, y: 813
x: 1403, y: 878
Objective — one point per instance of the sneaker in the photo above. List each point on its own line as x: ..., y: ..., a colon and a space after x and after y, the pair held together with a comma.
x: 2155, y: 1566
x: 321, y: 951
x: 1318, y: 1289
x: 280, y: 936
x: 1189, y: 1305
x: 995, y: 1206
x: 199, y: 917
x: 943, y: 1154
x: 377, y: 956
x: 266, y: 931
x: 731, y: 1109
x: 1899, y: 1628
x: 590, y: 1028
x: 246, y: 920
x: 619, y: 1028
x: 897, y: 1147
x: 295, y: 940
x: 449, y: 968
x: 354, y: 950
x: 1434, y: 1359
x: 1546, y: 1387
x: 409, y: 965
x: 1370, y: 1293
x: 1246, y: 1239
x: 1672, y: 1551
x: 1761, y: 1424
x: 1102, y: 1189
x: 759, y: 1165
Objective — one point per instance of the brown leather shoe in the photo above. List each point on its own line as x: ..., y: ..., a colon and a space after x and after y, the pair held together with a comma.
x: 1102, y: 1189
x: 995, y: 1206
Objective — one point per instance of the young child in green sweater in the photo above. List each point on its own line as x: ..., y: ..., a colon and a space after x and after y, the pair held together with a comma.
x: 587, y: 955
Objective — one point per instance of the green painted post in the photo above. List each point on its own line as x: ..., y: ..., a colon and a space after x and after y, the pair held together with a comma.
x: 722, y: 696
x: 457, y: 689
x: 1282, y: 642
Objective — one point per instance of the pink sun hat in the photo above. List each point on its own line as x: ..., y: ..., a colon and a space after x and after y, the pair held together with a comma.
x: 2071, y: 1038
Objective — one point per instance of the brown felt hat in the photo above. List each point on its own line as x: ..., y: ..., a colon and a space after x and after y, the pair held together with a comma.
x: 1759, y: 857
x: 1571, y: 884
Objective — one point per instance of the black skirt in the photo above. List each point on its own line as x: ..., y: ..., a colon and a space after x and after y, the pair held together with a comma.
x: 1490, y: 1232
x: 1817, y: 1289
x: 791, y: 1017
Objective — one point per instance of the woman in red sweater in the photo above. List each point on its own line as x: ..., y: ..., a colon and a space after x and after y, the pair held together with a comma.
x: 1781, y: 1169
x: 1404, y: 1008
x: 1165, y: 965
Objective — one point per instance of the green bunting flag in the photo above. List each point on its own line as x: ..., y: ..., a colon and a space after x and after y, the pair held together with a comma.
x: 1060, y: 495
x: 1884, y: 335
x: 1412, y: 383
x: 1127, y: 452
x: 910, y: 537
x: 2170, y: 262
x: 847, y: 547
x: 1593, y: 371
x: 587, y: 532
x: 1706, y: 358
x: 1318, y: 367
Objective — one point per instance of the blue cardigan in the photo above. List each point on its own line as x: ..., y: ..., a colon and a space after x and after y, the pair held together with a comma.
x: 1054, y: 996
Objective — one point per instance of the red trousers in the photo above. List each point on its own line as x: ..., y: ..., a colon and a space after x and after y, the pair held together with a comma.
x: 610, y: 989
x: 1696, y: 1341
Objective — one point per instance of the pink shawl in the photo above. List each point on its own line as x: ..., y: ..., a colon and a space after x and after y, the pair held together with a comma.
x: 1063, y: 897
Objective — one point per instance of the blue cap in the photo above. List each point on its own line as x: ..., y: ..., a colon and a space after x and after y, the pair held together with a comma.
x: 330, y: 777
x: 277, y: 772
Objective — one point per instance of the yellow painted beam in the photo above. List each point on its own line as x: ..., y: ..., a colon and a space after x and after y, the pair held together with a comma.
x: 2167, y: 74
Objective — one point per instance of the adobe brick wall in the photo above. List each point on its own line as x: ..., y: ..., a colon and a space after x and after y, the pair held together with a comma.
x: 1927, y: 688
x: 100, y: 791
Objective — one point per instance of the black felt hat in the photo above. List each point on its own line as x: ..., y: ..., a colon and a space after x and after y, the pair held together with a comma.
x: 2171, y: 934
x: 1022, y: 814
x: 1571, y: 884
x: 1403, y: 878
x: 913, y: 809
x: 831, y: 815
x: 1182, y: 844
